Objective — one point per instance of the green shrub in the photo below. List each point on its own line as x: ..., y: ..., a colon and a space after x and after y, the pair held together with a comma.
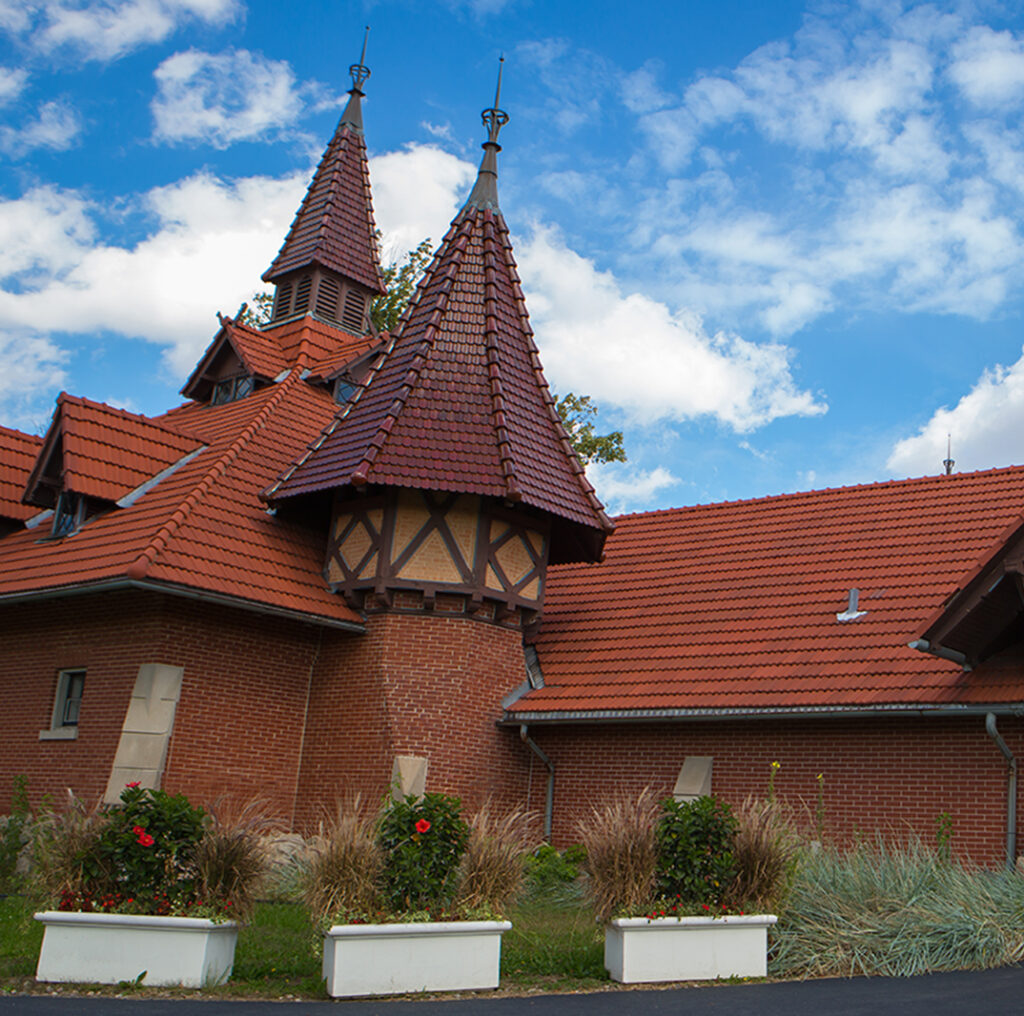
x: 548, y: 870
x: 695, y: 850
x: 422, y: 840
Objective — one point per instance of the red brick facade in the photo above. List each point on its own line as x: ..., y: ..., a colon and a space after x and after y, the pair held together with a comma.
x: 880, y: 775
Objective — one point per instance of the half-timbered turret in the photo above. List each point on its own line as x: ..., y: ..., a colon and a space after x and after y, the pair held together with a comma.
x: 455, y: 484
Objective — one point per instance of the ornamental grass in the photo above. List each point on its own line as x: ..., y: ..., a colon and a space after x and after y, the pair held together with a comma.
x: 765, y: 851
x: 895, y: 911
x: 622, y: 854
x: 491, y: 874
x: 344, y: 866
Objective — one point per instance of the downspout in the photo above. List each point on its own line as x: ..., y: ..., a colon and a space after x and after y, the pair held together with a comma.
x: 549, y: 805
x: 1011, y: 790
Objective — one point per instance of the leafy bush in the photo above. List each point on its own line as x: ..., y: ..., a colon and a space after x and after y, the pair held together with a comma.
x: 622, y: 854
x: 422, y: 840
x: 695, y: 850
x: 547, y: 870
x: 895, y: 911
x: 152, y: 853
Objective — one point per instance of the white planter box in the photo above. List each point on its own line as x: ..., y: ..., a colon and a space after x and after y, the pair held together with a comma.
x: 109, y: 948
x: 640, y: 949
x: 389, y: 959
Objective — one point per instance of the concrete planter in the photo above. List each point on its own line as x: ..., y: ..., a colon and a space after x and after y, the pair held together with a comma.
x: 640, y: 949
x: 389, y: 959
x: 108, y: 948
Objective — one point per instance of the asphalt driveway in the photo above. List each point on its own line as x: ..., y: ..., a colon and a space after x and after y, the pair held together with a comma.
x: 988, y: 992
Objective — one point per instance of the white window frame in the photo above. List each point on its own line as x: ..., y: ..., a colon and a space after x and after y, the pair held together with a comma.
x: 61, y: 728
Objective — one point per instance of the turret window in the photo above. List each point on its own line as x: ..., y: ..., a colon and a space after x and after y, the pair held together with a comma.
x: 353, y: 315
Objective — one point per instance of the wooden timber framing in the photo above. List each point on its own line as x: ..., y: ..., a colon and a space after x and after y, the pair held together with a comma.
x: 450, y: 551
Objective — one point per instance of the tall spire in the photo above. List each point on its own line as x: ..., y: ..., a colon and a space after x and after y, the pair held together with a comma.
x: 485, y: 190
x: 359, y: 72
x: 329, y: 262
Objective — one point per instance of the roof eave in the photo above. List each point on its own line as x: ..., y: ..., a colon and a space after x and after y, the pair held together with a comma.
x: 184, y: 592
x: 600, y: 716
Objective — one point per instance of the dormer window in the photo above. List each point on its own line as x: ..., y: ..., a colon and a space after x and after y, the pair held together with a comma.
x: 68, y: 514
x: 343, y: 390
x: 231, y: 389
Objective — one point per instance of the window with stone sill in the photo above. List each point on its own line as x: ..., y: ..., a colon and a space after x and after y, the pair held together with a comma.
x: 67, y: 704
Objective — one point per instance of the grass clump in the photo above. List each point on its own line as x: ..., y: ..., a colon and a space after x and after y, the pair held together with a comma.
x: 491, y: 874
x: 622, y: 854
x: 765, y: 851
x: 895, y: 911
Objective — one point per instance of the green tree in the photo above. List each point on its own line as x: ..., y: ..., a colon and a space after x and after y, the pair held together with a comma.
x: 578, y: 414
x: 400, y: 281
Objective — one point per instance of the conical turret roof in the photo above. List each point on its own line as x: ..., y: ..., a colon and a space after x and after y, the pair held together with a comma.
x: 334, y: 225
x: 458, y: 401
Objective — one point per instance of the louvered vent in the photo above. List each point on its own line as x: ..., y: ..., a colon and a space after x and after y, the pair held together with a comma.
x: 353, y: 316
x: 327, y: 298
x: 302, y: 295
x: 282, y: 300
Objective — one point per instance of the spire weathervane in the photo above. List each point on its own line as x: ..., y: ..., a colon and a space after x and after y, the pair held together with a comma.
x: 359, y: 71
x: 485, y: 190
x: 495, y: 118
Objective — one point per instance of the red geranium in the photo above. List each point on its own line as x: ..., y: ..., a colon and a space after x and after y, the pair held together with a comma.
x: 422, y: 826
x: 133, y: 784
x: 145, y: 840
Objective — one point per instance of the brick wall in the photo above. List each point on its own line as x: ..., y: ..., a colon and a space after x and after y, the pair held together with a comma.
x: 889, y: 775
x: 425, y: 685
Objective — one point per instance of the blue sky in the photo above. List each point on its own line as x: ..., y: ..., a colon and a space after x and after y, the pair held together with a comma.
x: 781, y: 245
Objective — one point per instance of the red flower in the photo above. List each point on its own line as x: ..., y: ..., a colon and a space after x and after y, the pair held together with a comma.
x: 138, y: 830
x: 133, y: 784
x: 145, y: 840
x: 422, y: 826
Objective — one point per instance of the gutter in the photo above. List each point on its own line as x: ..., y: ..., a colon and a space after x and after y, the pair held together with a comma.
x: 549, y: 804
x: 521, y: 717
x: 184, y: 592
x: 1011, y: 790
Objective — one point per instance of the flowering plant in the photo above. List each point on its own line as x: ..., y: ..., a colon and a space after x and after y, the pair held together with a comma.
x: 151, y: 853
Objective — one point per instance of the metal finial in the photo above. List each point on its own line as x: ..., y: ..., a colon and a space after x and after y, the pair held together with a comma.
x: 359, y: 71
x: 495, y: 118
x: 948, y: 461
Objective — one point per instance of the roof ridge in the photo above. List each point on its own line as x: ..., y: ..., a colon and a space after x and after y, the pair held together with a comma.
x: 451, y: 265
x: 840, y: 489
x: 140, y: 566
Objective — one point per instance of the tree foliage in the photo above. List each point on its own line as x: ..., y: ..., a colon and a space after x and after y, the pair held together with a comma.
x: 400, y: 280
x: 578, y: 414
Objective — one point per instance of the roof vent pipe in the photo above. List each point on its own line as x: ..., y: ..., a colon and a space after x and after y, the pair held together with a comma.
x: 549, y: 804
x: 1011, y: 790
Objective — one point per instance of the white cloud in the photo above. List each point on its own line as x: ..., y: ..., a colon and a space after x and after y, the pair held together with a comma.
x: 634, y: 352
x: 105, y: 30
x: 213, y: 239
x: 223, y: 98
x: 406, y: 215
x: 31, y: 364
x: 985, y: 427
x: 624, y: 487
x: 55, y: 127
x: 12, y: 83
x: 988, y: 66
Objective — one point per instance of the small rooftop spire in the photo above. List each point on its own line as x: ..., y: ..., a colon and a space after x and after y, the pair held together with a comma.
x: 353, y: 115
x: 485, y: 190
x: 949, y: 461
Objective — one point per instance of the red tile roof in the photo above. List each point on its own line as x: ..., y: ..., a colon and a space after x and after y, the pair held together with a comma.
x: 18, y: 453
x: 104, y: 452
x: 459, y: 402
x: 334, y: 225
x: 732, y: 607
x: 202, y: 527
